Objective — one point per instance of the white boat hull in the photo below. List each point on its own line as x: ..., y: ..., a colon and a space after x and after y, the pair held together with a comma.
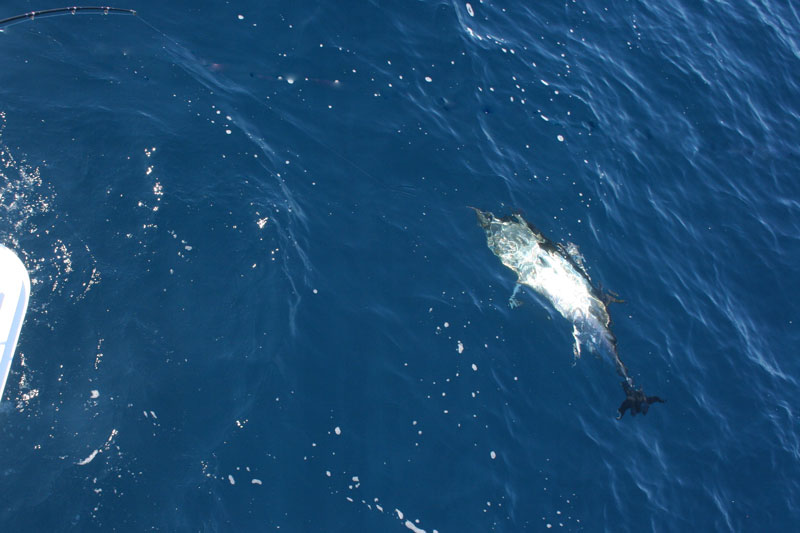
x: 15, y: 287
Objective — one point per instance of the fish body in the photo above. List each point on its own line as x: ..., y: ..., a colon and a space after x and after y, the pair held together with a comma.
x: 557, y: 273
x: 548, y: 269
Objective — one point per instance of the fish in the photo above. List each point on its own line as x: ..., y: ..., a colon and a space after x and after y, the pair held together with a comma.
x: 557, y: 273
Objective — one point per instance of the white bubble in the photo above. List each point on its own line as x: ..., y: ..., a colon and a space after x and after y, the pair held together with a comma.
x: 410, y: 525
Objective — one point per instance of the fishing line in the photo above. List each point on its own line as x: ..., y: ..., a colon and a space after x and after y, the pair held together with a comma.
x: 108, y: 10
x: 55, y: 12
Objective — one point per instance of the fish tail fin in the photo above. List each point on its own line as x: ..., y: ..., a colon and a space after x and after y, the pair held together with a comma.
x: 636, y: 401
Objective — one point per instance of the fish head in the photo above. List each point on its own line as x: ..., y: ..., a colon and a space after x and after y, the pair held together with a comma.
x: 484, y: 217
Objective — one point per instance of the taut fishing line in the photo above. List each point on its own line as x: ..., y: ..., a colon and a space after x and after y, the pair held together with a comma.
x: 108, y: 10
x: 74, y: 10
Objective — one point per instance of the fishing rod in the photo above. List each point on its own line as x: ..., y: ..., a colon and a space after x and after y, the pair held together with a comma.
x: 73, y: 10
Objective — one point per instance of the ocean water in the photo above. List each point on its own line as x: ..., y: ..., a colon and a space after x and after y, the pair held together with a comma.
x: 261, y: 303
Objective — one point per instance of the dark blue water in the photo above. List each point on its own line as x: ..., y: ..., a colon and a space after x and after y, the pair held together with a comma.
x: 260, y: 302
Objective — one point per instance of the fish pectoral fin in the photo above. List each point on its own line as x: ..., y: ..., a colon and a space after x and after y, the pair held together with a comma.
x: 513, y: 301
x: 576, y: 348
x: 611, y: 297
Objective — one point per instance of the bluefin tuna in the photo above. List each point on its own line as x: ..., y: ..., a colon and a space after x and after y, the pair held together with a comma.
x: 556, y: 272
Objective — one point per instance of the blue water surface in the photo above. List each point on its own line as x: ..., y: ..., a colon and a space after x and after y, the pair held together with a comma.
x: 261, y: 303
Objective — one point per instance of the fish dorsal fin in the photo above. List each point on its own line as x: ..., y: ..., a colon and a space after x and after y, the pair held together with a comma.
x: 570, y: 251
